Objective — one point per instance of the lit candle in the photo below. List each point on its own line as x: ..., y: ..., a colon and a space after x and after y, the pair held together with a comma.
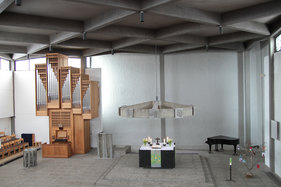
x: 164, y: 140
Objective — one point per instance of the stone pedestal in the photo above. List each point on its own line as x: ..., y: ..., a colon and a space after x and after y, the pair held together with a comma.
x: 30, y: 157
x: 104, y: 143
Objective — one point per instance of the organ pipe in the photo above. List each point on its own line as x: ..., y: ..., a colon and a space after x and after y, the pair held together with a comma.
x: 40, y: 92
x: 52, y: 84
x: 76, y: 94
x: 86, y: 101
x: 66, y: 88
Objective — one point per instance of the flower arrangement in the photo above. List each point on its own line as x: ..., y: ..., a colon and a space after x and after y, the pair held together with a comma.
x: 145, y: 141
x: 169, y: 141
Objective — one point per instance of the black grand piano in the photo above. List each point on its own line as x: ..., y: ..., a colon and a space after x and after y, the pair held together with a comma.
x: 222, y: 140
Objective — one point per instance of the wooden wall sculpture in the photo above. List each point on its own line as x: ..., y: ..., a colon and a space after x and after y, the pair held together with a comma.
x: 70, y: 99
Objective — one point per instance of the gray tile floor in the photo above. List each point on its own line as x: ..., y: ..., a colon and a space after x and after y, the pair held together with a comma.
x: 193, y: 168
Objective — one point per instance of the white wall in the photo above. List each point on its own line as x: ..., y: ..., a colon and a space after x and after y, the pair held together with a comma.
x: 277, y: 109
x: 127, y: 79
x: 209, y: 81
x: 25, y: 119
x: 5, y: 125
x: 6, y: 94
x: 254, y: 85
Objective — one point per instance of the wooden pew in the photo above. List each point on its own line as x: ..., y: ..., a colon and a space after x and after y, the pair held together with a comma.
x: 12, y: 145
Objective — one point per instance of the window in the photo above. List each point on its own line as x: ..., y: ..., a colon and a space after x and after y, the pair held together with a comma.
x: 22, y: 65
x: 74, y: 62
x: 278, y: 43
x: 88, y: 62
x: 36, y: 61
x: 27, y: 65
x: 4, y: 65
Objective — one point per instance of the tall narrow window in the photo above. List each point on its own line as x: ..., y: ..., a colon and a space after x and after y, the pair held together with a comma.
x: 278, y: 43
x: 22, y: 65
x: 36, y: 61
x: 4, y: 65
x: 74, y: 62
x: 88, y: 62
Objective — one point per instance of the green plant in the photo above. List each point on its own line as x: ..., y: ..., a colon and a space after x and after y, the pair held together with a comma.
x: 145, y: 141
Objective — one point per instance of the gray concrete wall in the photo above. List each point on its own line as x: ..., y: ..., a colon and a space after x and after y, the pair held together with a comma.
x: 277, y: 109
x: 127, y: 79
x: 207, y: 80
x: 253, y: 95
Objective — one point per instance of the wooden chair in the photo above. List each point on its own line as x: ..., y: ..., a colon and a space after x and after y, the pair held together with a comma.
x: 13, y: 136
x: 5, y: 145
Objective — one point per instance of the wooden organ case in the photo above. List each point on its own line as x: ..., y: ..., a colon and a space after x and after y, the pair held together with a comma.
x: 71, y: 100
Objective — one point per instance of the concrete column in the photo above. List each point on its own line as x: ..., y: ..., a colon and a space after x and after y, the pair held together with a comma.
x: 83, y: 64
x: 13, y: 68
x: 241, y: 98
x: 162, y: 93
x: 271, y: 102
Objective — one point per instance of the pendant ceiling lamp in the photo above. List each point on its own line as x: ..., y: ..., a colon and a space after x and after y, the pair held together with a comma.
x: 156, y: 109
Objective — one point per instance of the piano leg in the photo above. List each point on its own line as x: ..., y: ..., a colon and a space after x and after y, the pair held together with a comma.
x: 221, y: 146
x: 210, y: 148
x: 234, y: 149
x: 216, y: 147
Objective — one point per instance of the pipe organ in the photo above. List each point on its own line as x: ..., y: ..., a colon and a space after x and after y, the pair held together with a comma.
x: 70, y: 99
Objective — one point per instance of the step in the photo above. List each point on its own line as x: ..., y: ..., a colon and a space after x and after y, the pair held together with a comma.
x: 119, y: 151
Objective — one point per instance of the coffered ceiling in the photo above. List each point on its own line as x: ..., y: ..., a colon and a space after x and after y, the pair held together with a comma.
x: 114, y: 25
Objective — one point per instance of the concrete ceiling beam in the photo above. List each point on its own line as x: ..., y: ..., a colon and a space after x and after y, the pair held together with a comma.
x: 5, y: 56
x: 106, y: 19
x: 12, y: 49
x: 178, y: 29
x: 17, y: 56
x: 122, y: 4
x: 38, y: 22
x: 180, y: 47
x: 141, y: 49
x: 232, y: 46
x: 252, y: 27
x: 148, y: 4
x: 233, y: 37
x: 33, y: 48
x: 77, y: 42
x: 92, y: 52
x: 275, y: 27
x: 23, y: 38
x: 62, y: 36
x: 186, y: 13
x: 5, y: 4
x: 250, y: 13
x: 189, y: 39
x: 135, y: 5
x: 125, y: 31
x: 127, y: 42
x: 68, y: 52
